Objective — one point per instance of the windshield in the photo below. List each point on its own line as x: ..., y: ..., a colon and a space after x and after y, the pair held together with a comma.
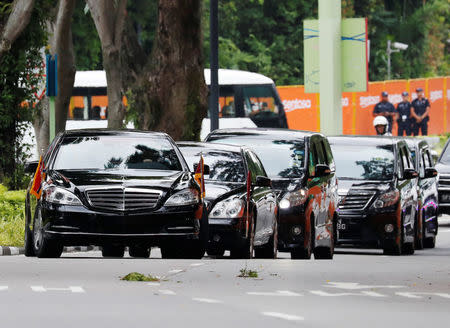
x: 281, y: 158
x: 364, y: 162
x: 116, y: 152
x: 445, y: 157
x: 259, y: 100
x: 223, y: 166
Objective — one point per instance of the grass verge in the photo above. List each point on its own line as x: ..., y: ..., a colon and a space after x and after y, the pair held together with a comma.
x: 12, y: 217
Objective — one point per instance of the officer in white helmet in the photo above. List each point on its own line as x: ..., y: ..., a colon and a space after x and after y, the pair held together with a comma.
x: 381, y: 125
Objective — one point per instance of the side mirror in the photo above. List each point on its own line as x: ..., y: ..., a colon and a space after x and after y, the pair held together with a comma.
x: 206, y: 169
x: 322, y: 170
x: 263, y: 181
x: 430, y: 172
x: 30, y: 167
x: 410, y: 174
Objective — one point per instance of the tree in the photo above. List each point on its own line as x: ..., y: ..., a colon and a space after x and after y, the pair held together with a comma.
x: 177, y: 90
x: 109, y: 18
x: 18, y: 19
x: 59, y: 30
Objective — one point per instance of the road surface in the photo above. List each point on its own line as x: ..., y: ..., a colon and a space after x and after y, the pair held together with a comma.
x: 359, y: 288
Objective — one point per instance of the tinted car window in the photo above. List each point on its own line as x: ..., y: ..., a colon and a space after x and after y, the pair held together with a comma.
x: 280, y: 157
x: 362, y: 162
x: 223, y: 165
x: 116, y: 152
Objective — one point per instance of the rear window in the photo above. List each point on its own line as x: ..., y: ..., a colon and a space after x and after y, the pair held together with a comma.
x: 223, y: 166
x: 364, y: 162
x: 116, y: 152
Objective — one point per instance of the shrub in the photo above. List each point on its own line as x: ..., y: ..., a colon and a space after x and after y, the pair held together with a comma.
x: 12, y: 217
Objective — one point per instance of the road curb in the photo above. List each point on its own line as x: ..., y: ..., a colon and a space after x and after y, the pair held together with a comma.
x: 9, y: 250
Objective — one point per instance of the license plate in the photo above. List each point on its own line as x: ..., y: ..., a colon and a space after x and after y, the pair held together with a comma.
x: 445, y: 197
x: 341, y: 226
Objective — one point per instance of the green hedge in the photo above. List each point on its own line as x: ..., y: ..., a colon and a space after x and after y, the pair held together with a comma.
x: 12, y: 216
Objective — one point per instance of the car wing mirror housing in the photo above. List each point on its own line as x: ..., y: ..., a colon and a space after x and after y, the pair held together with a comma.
x: 410, y: 174
x: 431, y: 172
x: 322, y: 170
x: 206, y: 168
x: 263, y: 181
x: 30, y: 167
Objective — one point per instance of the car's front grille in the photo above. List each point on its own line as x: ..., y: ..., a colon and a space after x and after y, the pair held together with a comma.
x: 444, y: 181
x: 123, y: 199
x: 356, y: 200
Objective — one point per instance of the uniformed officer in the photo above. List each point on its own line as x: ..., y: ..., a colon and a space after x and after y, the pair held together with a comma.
x: 420, y: 113
x: 381, y: 126
x: 404, y: 122
x: 386, y: 109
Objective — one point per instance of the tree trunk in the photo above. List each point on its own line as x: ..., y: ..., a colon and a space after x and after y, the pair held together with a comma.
x: 109, y: 19
x: 60, y: 33
x: 178, y: 93
x: 17, y: 21
x: 62, y: 45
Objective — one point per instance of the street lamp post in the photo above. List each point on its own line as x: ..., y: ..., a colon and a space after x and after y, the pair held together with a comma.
x: 391, y: 48
x: 214, y: 61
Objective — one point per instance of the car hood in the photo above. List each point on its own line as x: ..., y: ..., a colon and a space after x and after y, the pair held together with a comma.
x: 136, y: 178
x: 443, y: 168
x: 214, y: 190
x: 347, y: 184
x: 281, y: 186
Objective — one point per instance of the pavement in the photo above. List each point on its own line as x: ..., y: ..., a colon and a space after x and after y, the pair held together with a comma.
x: 359, y: 288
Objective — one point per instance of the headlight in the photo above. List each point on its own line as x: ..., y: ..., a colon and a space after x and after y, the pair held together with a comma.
x: 228, y: 208
x: 294, y: 198
x: 60, y: 196
x: 185, y: 197
x: 387, y: 199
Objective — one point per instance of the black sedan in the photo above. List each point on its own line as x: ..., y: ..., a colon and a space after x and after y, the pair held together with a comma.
x: 231, y: 226
x: 116, y: 189
x: 378, y: 193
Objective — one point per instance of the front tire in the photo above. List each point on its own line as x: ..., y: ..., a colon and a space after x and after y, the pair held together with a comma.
x: 245, y: 251
x: 29, y: 249
x: 419, y: 232
x: 113, y: 251
x: 430, y: 242
x: 270, y: 250
x: 304, y: 253
x: 44, y: 247
x: 139, y: 251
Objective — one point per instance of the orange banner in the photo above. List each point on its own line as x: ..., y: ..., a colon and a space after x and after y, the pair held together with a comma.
x: 303, y: 109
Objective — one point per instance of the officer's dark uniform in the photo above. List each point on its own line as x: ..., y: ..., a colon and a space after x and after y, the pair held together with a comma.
x: 382, y: 107
x: 404, y: 118
x: 420, y: 107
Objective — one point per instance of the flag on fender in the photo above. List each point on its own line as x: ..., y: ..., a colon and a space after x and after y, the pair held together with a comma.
x: 39, y: 177
x: 199, y: 176
x: 249, y: 194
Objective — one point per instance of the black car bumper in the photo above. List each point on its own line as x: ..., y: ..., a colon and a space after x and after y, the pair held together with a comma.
x: 292, y: 220
x: 227, y: 233
x: 79, y: 226
x: 368, y: 229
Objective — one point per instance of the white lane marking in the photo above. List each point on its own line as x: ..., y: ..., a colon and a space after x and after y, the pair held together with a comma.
x: 153, y: 284
x: 3, y: 288
x: 362, y: 293
x: 441, y: 230
x: 289, y: 317
x: 420, y: 295
x: 176, y: 271
x: 166, y: 292
x: 206, y: 300
x: 73, y: 289
x: 197, y: 264
x: 357, y: 286
x: 277, y: 293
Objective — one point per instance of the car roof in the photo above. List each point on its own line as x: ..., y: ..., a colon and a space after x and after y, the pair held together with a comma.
x: 364, y: 140
x: 109, y: 132
x: 269, y: 132
x: 211, y: 146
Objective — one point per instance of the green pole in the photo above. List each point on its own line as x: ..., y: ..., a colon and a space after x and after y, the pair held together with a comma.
x: 330, y: 67
x: 52, y: 120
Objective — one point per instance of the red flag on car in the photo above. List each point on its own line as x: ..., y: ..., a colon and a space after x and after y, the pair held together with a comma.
x: 249, y: 191
x: 199, y: 176
x: 39, y: 176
